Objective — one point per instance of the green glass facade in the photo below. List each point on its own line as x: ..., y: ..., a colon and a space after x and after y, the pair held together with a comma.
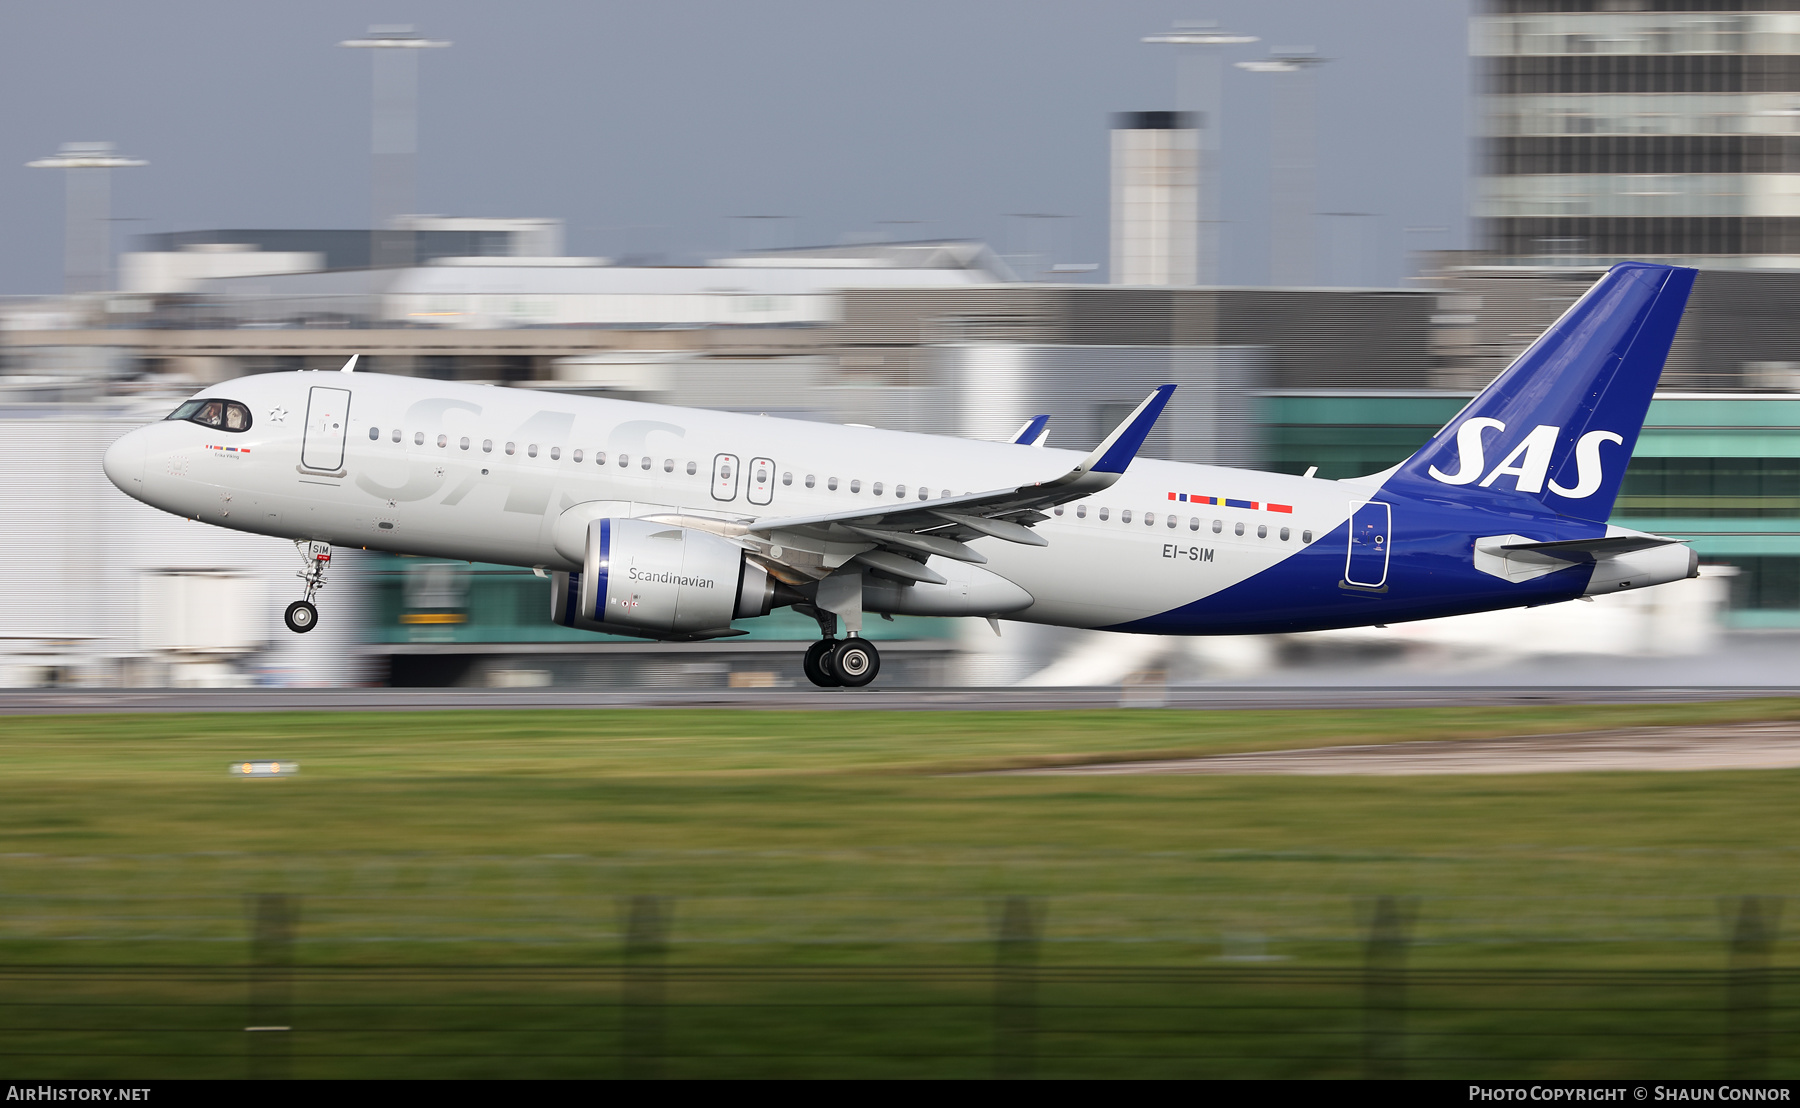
x: 1721, y: 472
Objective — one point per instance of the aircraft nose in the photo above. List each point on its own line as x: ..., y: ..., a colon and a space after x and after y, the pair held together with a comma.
x: 124, y: 463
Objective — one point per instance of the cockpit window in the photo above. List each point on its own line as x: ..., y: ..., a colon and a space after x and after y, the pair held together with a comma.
x: 223, y: 415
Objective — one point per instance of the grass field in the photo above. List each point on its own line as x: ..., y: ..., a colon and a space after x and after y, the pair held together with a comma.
x: 831, y: 890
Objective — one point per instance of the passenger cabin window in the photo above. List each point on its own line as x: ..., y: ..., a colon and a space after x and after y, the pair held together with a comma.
x: 531, y: 451
x: 1218, y: 525
x: 1149, y: 519
x: 464, y: 444
x: 924, y: 494
x: 396, y: 434
x: 1262, y: 531
x: 1103, y: 513
x: 443, y: 441
x: 221, y: 415
x: 1056, y: 511
x: 900, y: 492
x: 1172, y: 522
x: 1239, y: 529
x: 1284, y: 534
x: 693, y: 468
x: 1194, y: 523
x: 787, y: 478
x: 1124, y: 516
x: 487, y: 446
x: 646, y: 462
x: 418, y: 438
x: 576, y: 457
x: 875, y: 488
x: 599, y: 457
x: 624, y: 461
x: 510, y: 448
x: 1081, y: 511
x: 1306, y: 536
x: 856, y: 485
x: 374, y: 434
x: 832, y: 484
x: 809, y: 481
x: 556, y: 453
x: 668, y: 465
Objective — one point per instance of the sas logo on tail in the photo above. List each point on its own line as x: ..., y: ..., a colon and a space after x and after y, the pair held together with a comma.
x: 1529, y: 462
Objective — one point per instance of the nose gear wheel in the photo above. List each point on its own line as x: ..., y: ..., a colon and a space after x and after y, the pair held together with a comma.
x: 301, y: 617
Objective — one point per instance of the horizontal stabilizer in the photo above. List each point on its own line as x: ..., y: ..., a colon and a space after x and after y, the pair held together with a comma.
x: 1586, y: 550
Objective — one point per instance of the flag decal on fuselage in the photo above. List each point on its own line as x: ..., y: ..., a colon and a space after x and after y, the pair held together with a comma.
x: 1223, y: 502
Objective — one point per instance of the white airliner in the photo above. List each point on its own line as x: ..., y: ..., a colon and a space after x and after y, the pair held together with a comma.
x: 673, y: 523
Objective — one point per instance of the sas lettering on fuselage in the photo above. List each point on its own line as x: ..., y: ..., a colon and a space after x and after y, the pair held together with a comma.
x: 1191, y: 553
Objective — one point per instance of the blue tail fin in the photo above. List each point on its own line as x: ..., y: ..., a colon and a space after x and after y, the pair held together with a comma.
x: 1555, y: 431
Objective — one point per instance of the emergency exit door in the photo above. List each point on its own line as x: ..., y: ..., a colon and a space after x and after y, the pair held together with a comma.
x: 327, y: 421
x: 759, y: 481
x: 725, y: 477
x: 1367, y: 562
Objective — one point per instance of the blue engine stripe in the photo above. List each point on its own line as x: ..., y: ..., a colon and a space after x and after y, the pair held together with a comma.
x: 572, y: 602
x: 603, y: 570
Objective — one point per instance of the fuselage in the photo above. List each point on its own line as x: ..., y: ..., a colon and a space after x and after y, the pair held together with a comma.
x: 481, y: 473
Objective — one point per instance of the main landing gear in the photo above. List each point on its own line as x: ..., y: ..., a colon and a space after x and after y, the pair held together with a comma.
x: 833, y: 663
x: 302, y: 615
x: 848, y: 663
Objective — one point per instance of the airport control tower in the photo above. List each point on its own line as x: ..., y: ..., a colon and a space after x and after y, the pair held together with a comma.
x: 1641, y: 129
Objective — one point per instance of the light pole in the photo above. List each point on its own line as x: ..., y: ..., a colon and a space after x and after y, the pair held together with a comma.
x: 1293, y: 153
x: 87, y: 211
x: 395, y: 137
x: 1199, y: 89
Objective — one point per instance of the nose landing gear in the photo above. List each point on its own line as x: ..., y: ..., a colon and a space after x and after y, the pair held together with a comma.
x: 302, y: 615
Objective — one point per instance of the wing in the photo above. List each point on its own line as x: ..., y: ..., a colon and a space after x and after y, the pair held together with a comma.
x: 897, y: 538
x: 1035, y: 431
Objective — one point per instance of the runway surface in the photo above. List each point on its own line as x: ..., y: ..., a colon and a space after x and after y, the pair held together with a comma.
x: 47, y: 702
x: 1773, y: 745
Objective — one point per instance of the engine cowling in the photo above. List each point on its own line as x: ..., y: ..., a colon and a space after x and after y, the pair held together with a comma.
x: 659, y: 581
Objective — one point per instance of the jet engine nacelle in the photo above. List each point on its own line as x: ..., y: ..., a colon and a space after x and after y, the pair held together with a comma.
x: 659, y: 581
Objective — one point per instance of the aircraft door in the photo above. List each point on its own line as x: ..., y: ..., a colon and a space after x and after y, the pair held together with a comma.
x: 760, y: 484
x: 327, y: 421
x: 725, y: 477
x: 1367, y: 562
